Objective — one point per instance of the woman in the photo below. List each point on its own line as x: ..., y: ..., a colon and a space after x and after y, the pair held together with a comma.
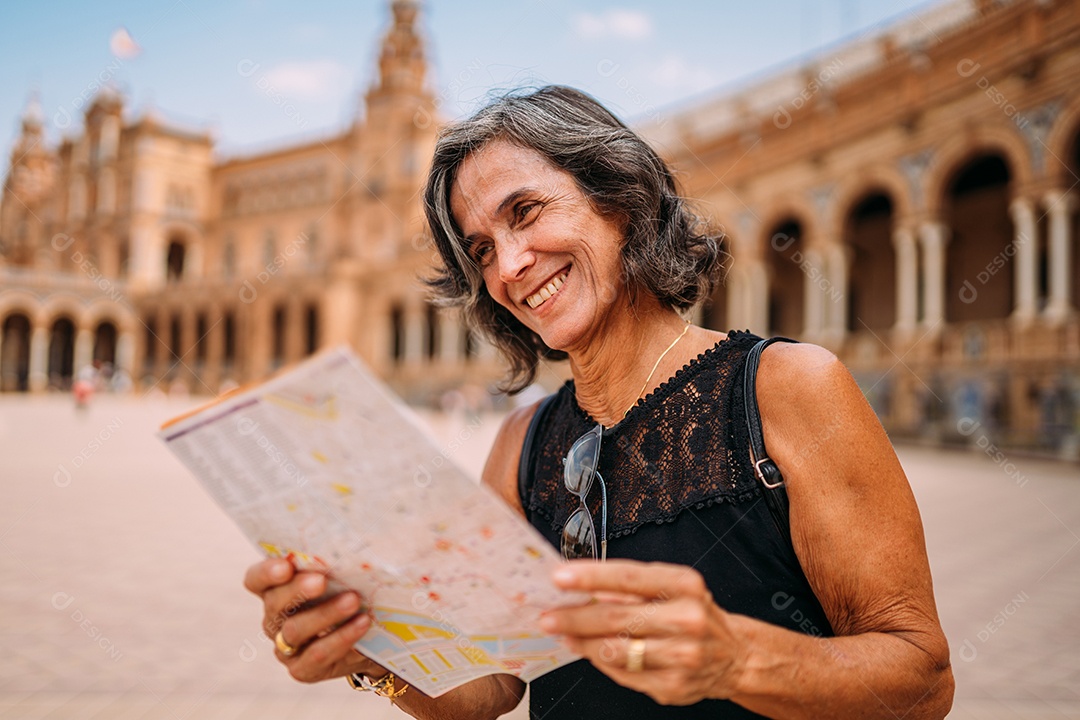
x: 562, y: 236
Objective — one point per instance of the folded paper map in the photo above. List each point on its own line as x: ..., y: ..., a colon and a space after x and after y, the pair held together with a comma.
x: 325, y: 466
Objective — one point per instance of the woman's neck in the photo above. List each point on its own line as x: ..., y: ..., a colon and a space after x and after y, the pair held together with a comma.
x: 610, y: 373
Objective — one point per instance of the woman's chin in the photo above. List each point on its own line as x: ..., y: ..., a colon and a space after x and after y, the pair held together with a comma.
x: 565, y: 339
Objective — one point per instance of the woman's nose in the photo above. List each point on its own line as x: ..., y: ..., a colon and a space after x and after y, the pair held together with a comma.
x: 515, y: 257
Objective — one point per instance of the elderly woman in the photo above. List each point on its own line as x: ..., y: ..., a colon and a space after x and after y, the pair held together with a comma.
x: 563, y: 237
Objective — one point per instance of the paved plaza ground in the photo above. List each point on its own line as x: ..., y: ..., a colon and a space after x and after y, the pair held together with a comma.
x: 121, y: 597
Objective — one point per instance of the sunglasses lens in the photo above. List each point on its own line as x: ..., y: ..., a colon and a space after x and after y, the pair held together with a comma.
x: 579, y: 536
x: 581, y: 462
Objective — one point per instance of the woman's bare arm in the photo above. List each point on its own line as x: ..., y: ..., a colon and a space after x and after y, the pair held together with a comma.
x: 858, y: 536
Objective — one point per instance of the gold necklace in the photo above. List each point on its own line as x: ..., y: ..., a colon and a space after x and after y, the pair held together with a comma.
x: 656, y: 365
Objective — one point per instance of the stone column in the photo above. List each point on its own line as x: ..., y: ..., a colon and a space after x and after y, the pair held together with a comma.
x: 1059, y: 208
x: 146, y: 261
x: 125, y: 352
x: 813, y: 297
x: 186, y: 368
x: 414, y: 333
x: 907, y: 279
x: 449, y: 337
x: 194, y: 267
x: 835, y: 295
x: 11, y: 363
x: 1025, y: 243
x: 84, y: 349
x: 39, y: 359
x: 163, y: 358
x: 733, y: 286
x: 757, y: 298
x: 295, y: 329
x: 258, y: 332
x: 933, y: 236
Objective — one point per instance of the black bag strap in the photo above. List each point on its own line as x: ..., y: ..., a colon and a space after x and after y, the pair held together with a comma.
x: 772, y: 482
x: 528, y: 451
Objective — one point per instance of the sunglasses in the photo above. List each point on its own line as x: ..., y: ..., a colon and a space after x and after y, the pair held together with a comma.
x: 579, y: 468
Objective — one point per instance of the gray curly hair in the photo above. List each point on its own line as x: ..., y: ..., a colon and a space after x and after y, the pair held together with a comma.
x: 668, y: 251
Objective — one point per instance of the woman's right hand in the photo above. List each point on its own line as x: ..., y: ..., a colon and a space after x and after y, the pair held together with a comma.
x: 322, y: 629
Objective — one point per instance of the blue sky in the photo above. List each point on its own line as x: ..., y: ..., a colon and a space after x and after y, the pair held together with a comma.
x: 202, y: 62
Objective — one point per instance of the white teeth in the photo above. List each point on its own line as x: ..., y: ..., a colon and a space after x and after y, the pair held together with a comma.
x: 546, y: 292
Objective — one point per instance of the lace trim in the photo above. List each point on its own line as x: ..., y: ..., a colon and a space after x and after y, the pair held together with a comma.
x: 663, y: 388
x: 627, y: 530
x: 682, y: 446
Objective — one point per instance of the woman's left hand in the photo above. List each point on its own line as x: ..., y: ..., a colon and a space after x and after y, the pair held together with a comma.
x: 691, y: 651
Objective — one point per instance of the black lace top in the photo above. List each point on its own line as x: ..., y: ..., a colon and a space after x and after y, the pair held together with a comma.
x: 680, y: 490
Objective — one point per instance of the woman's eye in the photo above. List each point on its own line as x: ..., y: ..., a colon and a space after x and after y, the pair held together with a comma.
x: 481, y: 251
x: 522, y: 212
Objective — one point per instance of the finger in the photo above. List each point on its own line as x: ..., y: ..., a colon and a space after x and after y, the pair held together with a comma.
x: 303, y: 627
x: 284, y: 600
x: 319, y: 659
x: 661, y: 653
x: 598, y: 620
x: 616, y: 597
x: 649, y: 580
x: 264, y: 575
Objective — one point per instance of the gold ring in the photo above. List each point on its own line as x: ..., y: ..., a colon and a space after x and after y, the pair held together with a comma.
x: 635, y: 655
x: 283, y: 647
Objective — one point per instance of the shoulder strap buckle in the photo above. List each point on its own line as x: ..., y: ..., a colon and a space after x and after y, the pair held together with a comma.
x: 771, y: 472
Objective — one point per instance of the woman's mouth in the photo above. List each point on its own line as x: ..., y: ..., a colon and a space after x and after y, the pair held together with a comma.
x: 542, y: 295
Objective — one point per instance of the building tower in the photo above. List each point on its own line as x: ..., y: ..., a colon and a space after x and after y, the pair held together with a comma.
x: 25, y: 194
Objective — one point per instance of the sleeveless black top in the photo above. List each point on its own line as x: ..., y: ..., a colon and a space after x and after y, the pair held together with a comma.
x: 681, y: 489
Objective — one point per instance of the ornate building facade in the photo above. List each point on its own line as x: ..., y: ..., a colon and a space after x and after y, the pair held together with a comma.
x: 129, y: 245
x: 908, y: 199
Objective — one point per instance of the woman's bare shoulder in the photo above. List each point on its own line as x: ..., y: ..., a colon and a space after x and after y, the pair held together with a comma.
x: 796, y: 377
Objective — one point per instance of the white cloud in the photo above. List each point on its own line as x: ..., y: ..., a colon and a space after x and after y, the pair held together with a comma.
x: 308, y: 79
x: 675, y: 72
x: 614, y: 23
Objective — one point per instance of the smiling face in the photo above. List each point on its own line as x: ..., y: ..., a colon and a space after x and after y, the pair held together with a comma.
x: 546, y: 255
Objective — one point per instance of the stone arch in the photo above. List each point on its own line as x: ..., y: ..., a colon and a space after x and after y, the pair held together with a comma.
x: 176, y: 256
x: 109, y: 311
x: 958, y: 152
x: 61, y: 359
x: 106, y: 339
x: 979, y: 254
x: 431, y: 331
x: 22, y: 302
x: 864, y: 182
x: 791, y: 208
x: 1063, y: 143
x: 16, y: 330
x: 312, y: 327
x: 229, y: 340
x: 397, y: 333
x: 63, y: 305
x: 786, y: 252
x: 279, y: 322
x: 182, y: 242
x: 1069, y: 162
x: 867, y: 231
